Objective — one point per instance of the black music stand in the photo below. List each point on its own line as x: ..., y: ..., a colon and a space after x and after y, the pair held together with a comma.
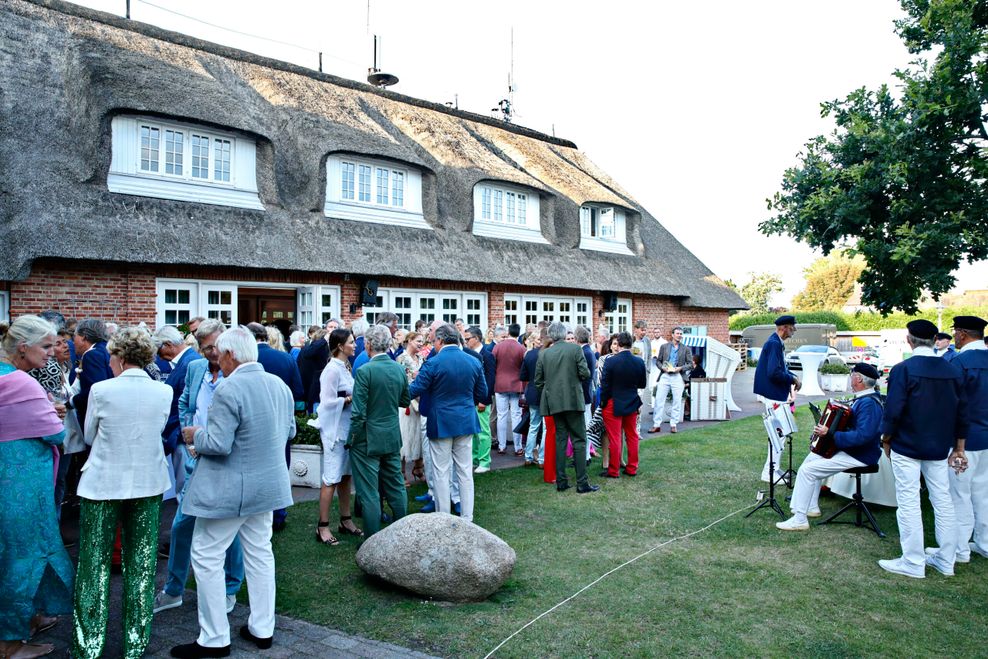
x: 770, y: 501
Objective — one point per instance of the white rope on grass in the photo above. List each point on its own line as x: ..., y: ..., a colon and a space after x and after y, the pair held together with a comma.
x: 610, y: 572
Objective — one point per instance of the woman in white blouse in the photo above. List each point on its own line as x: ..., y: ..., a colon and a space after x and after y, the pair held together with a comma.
x: 409, y: 418
x: 333, y: 421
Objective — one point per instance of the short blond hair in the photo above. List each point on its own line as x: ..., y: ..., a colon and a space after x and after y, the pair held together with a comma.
x: 132, y: 345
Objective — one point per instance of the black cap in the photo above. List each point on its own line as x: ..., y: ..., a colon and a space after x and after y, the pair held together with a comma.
x: 940, y: 336
x: 785, y: 320
x: 972, y: 323
x: 922, y: 329
x: 866, y: 370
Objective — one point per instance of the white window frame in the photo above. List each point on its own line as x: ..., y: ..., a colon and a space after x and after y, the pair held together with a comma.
x: 695, y: 330
x: 531, y: 309
x: 604, y: 228
x: 492, y: 202
x: 619, y: 320
x: 199, y: 305
x: 406, y: 211
x: 127, y: 177
x: 418, y: 309
x: 4, y: 307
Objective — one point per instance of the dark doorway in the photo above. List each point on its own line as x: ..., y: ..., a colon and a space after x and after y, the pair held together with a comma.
x: 266, y: 305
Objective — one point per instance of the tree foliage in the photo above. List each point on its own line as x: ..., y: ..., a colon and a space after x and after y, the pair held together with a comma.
x: 902, y: 178
x: 830, y: 282
x: 760, y: 287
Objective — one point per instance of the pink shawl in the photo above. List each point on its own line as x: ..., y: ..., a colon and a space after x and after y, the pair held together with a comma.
x: 25, y: 410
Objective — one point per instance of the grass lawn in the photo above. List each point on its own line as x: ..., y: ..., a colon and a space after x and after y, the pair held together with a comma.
x: 740, y: 588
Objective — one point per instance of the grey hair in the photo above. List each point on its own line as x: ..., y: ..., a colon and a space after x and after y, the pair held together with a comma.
x: 557, y: 332
x: 377, y: 338
x: 240, y: 343
x: 91, y: 329
x: 386, y: 318
x: 447, y: 335
x: 641, y: 324
x: 339, y: 323
x: 500, y: 331
x: 869, y: 383
x: 359, y: 327
x: 29, y: 330
x: 920, y: 343
x: 208, y: 327
x: 167, y: 335
x: 582, y: 334
x: 297, y: 339
x: 53, y: 317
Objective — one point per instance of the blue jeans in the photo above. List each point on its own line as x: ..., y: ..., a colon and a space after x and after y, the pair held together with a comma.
x: 180, y: 555
x: 534, y: 421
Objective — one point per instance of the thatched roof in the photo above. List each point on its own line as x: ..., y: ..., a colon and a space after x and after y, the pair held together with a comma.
x: 65, y: 71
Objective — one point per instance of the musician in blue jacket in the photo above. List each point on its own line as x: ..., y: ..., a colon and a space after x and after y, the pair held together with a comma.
x: 858, y: 446
x: 925, y: 420
x: 969, y: 489
x: 773, y: 381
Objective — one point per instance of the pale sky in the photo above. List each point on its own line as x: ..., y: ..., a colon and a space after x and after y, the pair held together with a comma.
x: 696, y: 108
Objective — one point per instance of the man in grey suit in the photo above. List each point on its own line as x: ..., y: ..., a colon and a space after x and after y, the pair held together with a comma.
x: 675, y: 361
x: 238, y: 482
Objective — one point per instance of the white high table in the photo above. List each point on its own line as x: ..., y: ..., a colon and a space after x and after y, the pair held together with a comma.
x: 810, y: 362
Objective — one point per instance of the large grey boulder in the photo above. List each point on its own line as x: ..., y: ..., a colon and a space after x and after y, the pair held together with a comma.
x: 440, y: 556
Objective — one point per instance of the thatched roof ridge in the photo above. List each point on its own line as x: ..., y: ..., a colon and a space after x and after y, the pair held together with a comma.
x: 65, y: 71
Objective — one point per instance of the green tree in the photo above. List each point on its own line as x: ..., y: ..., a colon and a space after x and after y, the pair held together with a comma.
x: 830, y: 282
x: 902, y: 178
x: 760, y: 287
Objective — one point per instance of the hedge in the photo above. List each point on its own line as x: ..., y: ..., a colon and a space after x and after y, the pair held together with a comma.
x: 861, y: 321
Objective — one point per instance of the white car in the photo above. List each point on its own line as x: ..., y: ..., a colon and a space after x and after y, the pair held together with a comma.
x: 833, y: 356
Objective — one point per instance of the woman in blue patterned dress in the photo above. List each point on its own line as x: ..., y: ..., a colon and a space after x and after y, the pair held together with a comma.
x: 35, y: 570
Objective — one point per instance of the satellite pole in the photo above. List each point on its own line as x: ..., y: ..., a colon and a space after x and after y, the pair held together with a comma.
x: 375, y: 76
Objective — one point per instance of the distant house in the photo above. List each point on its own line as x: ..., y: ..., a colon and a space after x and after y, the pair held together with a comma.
x: 149, y: 176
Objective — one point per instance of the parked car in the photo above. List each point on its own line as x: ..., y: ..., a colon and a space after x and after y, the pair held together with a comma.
x: 862, y: 356
x: 794, y: 364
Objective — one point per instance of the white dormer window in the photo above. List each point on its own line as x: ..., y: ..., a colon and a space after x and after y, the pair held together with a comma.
x: 367, y: 190
x: 604, y: 228
x: 185, y: 162
x: 502, y: 211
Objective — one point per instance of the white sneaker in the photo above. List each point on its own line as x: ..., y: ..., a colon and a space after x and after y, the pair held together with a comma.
x: 163, y: 601
x: 792, y: 524
x: 814, y: 513
x: 481, y: 470
x: 974, y: 548
x: 231, y: 602
x: 898, y: 566
x: 958, y: 557
x: 934, y: 563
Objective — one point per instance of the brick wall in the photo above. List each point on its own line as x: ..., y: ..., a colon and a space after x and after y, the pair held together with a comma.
x: 126, y: 293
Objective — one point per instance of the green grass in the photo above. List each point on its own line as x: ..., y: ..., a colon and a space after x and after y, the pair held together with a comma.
x: 741, y: 588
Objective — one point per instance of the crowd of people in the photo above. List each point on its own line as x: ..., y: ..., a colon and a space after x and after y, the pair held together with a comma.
x: 119, y: 418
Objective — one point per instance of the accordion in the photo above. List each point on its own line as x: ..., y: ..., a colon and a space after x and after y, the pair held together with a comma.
x: 835, y: 416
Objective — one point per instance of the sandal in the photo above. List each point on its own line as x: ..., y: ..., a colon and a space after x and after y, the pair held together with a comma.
x: 331, y: 541
x: 343, y: 529
x: 40, y: 623
x: 25, y: 650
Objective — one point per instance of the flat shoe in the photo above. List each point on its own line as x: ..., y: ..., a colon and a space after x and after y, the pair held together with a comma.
x: 44, y: 624
x: 261, y: 643
x: 195, y: 651
x: 30, y: 651
x: 654, y: 430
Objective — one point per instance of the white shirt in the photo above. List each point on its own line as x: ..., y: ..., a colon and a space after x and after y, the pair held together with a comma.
x: 977, y: 344
x: 174, y: 362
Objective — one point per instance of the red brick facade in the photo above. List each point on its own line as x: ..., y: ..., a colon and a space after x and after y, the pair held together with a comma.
x: 126, y: 293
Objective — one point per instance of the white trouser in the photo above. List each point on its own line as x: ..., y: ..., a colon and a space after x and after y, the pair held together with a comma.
x: 806, y: 492
x: 772, y: 453
x: 910, y: 517
x: 507, y: 407
x: 969, y: 492
x: 453, y: 456
x: 210, y: 540
x: 429, y: 467
x: 669, y: 382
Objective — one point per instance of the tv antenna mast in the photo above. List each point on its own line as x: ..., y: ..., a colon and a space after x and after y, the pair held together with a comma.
x: 506, y: 106
x: 375, y: 76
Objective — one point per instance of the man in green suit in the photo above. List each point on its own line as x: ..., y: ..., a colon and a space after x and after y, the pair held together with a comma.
x: 379, y: 390
x: 558, y: 375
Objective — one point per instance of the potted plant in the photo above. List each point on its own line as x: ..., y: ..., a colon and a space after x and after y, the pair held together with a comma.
x: 306, y: 453
x: 833, y: 377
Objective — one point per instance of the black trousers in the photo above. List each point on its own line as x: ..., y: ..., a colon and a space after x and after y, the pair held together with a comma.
x: 571, y: 425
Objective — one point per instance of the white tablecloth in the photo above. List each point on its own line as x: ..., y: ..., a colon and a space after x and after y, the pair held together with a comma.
x: 875, y: 488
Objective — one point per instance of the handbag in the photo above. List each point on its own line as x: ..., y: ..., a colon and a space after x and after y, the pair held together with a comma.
x: 523, y: 425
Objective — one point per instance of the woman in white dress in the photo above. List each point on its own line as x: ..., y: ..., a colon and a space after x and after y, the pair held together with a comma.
x: 333, y: 421
x: 409, y: 419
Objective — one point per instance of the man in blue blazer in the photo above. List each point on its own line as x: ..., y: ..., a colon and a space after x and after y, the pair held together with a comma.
x: 201, y: 379
x: 284, y: 366
x: 172, y: 347
x: 482, y: 440
x: 925, y: 419
x: 455, y: 384
x: 773, y: 379
x: 624, y: 375
x: 90, y: 342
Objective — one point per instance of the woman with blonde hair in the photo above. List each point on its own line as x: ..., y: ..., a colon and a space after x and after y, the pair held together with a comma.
x: 409, y: 418
x: 275, y: 339
x: 35, y: 569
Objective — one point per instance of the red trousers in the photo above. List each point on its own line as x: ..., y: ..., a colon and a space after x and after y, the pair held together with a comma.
x: 549, y: 441
x: 614, y: 425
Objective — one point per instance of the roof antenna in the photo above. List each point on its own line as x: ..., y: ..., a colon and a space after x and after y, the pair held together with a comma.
x: 374, y: 75
x: 506, y: 106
